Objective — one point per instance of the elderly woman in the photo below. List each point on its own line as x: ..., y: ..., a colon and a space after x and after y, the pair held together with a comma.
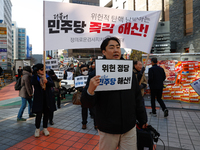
x: 43, y: 100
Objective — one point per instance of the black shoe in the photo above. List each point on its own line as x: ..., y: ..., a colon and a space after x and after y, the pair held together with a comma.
x: 153, y: 114
x: 84, y: 126
x: 32, y: 115
x: 166, y: 113
x: 51, y: 122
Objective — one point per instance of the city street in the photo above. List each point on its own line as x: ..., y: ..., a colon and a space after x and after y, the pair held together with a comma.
x: 179, y: 131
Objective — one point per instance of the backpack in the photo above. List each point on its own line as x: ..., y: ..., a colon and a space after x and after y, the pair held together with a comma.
x: 18, y: 84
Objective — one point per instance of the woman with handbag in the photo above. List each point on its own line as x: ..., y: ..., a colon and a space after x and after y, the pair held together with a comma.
x: 43, y: 100
x: 84, y: 72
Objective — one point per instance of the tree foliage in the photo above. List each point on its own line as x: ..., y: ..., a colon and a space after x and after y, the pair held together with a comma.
x: 136, y: 55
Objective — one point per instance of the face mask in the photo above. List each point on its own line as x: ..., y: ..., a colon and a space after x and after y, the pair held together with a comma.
x: 85, y: 73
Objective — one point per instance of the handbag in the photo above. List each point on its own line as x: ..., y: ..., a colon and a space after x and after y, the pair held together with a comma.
x: 76, y: 99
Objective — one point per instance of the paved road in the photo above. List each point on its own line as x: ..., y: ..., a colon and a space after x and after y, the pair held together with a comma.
x: 179, y: 131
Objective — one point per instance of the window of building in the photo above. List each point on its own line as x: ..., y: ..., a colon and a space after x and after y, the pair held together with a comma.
x: 124, y: 5
x: 188, y: 17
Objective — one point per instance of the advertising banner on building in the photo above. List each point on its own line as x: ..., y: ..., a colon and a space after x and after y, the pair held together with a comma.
x: 72, y: 26
x: 3, y: 31
x: 115, y: 74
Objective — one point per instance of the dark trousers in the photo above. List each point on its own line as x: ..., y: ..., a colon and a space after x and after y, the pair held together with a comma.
x: 157, y: 93
x: 85, y: 114
x: 58, y: 99
x: 38, y: 118
x: 51, y: 115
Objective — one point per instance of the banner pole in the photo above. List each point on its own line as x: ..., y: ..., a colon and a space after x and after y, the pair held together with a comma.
x: 44, y: 52
x: 144, y: 67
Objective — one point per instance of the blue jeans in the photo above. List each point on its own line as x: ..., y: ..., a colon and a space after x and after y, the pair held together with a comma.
x: 23, y: 106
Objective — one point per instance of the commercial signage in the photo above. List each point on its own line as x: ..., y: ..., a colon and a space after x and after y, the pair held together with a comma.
x: 3, y: 31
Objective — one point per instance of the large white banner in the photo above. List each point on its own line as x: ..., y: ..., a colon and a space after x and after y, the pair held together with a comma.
x: 115, y: 74
x: 71, y: 26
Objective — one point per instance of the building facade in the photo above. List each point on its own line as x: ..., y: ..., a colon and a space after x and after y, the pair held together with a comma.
x: 14, y: 41
x: 22, y: 43
x: 5, y: 34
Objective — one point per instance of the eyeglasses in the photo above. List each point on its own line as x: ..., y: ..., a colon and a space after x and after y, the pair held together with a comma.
x: 85, y: 69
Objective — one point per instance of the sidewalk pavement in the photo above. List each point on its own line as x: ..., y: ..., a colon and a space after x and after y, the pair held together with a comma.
x: 179, y: 131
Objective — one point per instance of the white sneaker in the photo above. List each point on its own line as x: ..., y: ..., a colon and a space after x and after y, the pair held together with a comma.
x: 37, y: 133
x: 46, y: 132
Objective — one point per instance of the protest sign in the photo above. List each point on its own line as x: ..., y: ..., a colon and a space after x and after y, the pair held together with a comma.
x: 59, y: 74
x: 80, y: 81
x: 69, y: 75
x: 52, y: 64
x: 196, y: 86
x: 115, y: 74
x: 70, y: 26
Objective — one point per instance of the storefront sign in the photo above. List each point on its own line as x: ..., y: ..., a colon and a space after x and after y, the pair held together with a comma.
x: 3, y: 49
x: 65, y: 27
x: 115, y: 74
x: 80, y: 81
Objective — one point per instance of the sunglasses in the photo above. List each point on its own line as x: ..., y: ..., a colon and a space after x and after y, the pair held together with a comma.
x: 85, y: 69
x: 42, y: 69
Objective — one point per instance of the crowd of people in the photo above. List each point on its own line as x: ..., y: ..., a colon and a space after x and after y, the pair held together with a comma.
x: 115, y: 112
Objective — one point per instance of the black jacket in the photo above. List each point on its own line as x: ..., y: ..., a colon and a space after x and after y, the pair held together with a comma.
x: 39, y: 94
x: 156, y: 76
x: 116, y: 111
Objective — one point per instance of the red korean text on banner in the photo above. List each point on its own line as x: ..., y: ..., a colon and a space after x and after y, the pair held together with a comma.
x: 134, y: 30
x: 96, y: 27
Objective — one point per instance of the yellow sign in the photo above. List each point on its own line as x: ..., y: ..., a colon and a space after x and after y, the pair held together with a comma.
x: 3, y: 30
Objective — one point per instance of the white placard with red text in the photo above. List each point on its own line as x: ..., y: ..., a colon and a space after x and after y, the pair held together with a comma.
x: 115, y: 74
x: 72, y: 26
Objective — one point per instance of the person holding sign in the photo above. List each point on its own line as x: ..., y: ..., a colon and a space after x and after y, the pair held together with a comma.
x: 116, y: 110
x: 43, y: 100
x: 84, y: 110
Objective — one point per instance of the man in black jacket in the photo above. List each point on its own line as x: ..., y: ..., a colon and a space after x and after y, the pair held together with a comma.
x: 117, y: 110
x: 156, y: 77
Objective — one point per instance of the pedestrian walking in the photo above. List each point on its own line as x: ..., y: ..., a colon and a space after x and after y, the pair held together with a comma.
x: 26, y: 93
x: 117, y: 110
x: 156, y: 76
x: 19, y: 72
x: 43, y: 100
